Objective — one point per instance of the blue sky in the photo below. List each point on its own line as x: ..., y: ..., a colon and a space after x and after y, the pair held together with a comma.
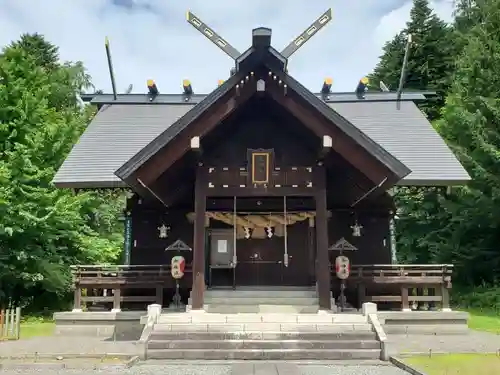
x: 151, y: 38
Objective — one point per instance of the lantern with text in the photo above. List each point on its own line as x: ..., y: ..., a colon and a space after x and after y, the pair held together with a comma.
x: 178, y: 263
x: 342, y: 267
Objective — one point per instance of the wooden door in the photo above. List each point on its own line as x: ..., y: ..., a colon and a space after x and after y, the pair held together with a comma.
x: 298, y: 271
x: 221, y: 257
x: 260, y: 261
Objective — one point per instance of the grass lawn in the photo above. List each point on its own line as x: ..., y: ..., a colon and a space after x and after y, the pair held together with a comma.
x: 457, y: 364
x: 35, y: 326
x: 485, y: 321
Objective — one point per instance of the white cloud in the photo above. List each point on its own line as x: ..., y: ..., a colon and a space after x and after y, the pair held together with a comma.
x: 153, y: 39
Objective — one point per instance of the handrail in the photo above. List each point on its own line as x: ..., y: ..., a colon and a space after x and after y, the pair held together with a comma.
x: 404, y: 265
x: 124, y: 266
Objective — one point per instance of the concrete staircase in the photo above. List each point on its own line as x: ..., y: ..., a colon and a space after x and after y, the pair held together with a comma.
x: 258, y: 336
x: 295, y: 300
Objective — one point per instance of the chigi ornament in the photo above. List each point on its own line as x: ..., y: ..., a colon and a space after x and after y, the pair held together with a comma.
x: 163, y: 231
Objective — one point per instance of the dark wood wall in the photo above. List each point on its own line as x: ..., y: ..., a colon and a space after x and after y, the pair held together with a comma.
x: 147, y: 248
x: 374, y: 244
x: 261, y: 124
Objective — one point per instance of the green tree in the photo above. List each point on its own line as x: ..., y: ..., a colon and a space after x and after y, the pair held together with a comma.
x: 471, y: 125
x: 43, y: 230
x: 463, y: 227
x: 44, y: 54
x: 430, y: 60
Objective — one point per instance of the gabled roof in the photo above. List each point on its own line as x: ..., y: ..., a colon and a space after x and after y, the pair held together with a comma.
x: 255, y: 59
x: 348, y: 128
x: 118, y: 132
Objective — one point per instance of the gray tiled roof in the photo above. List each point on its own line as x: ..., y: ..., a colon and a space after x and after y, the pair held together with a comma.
x: 119, y: 131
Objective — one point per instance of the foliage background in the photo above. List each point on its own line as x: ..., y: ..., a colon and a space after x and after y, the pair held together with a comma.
x: 43, y: 230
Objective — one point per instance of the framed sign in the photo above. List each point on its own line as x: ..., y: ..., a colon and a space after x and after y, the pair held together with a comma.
x: 260, y: 165
x: 222, y: 246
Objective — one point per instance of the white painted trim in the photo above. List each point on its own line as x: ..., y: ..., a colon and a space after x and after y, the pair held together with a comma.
x: 195, y: 143
x: 327, y: 141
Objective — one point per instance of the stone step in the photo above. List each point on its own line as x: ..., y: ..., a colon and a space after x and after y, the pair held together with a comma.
x: 268, y: 354
x: 264, y: 300
x: 263, y: 344
x: 257, y: 293
x: 268, y: 335
x: 260, y: 309
x: 261, y: 327
x: 194, y: 317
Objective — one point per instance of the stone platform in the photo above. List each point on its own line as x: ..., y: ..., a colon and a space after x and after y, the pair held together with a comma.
x: 121, y: 325
x: 424, y: 322
x: 262, y: 336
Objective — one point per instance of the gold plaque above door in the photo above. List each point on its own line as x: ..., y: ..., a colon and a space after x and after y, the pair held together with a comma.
x: 260, y: 165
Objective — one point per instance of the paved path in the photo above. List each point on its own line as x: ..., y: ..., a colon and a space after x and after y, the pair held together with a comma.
x: 474, y: 342
x: 198, y: 368
x: 66, y: 345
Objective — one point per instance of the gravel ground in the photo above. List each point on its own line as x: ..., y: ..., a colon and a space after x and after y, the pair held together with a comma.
x: 474, y: 342
x: 219, y: 369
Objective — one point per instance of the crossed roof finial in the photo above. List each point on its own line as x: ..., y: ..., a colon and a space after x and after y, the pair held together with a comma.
x: 232, y: 52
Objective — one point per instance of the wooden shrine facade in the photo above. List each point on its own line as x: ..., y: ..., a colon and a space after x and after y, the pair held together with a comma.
x: 261, y: 182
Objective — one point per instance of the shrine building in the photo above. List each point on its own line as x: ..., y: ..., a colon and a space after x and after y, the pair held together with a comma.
x: 260, y: 183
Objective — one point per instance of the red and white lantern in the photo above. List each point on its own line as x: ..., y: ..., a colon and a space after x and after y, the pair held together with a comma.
x: 342, y: 267
x: 178, y: 264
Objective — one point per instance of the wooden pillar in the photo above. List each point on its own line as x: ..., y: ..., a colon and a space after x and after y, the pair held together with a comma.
x: 311, y: 250
x: 405, y: 304
x: 322, y: 260
x: 361, y: 294
x: 159, y: 295
x: 200, y: 205
x: 445, y: 298
x: 77, y: 302
x: 117, y: 293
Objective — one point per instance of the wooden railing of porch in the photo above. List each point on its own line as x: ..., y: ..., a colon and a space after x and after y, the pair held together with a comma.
x: 403, y: 284
x: 399, y: 284
x: 104, y: 279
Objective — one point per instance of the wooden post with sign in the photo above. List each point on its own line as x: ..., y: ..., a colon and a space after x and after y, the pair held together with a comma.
x: 127, y: 239
x: 343, y: 269
x: 178, y: 264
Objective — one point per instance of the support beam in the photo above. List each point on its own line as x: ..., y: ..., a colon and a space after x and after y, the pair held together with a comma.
x: 259, y: 192
x: 200, y: 205
x: 322, y: 260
